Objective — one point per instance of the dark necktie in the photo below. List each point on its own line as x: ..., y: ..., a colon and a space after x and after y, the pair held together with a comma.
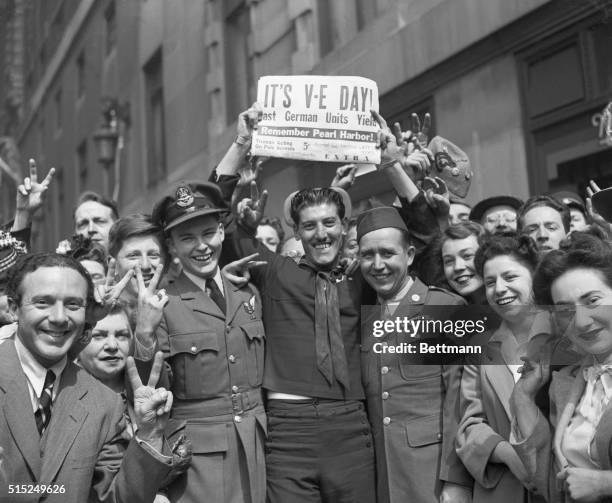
x: 43, y: 413
x: 215, y: 294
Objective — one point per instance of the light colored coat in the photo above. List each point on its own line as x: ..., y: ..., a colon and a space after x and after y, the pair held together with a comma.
x: 486, y: 387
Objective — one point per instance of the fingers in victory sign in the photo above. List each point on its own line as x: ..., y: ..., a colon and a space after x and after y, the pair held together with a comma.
x: 237, y: 272
x: 421, y: 132
x: 107, y: 295
x: 30, y: 197
x: 252, y: 210
x: 151, y: 406
x: 151, y: 302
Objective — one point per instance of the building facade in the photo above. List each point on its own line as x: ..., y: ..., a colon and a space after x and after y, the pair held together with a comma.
x: 517, y: 84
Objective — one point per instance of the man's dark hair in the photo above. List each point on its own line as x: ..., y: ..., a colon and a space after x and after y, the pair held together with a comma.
x: 275, y: 223
x: 315, y: 197
x: 31, y: 262
x: 97, y: 198
x: 545, y: 201
x: 136, y: 225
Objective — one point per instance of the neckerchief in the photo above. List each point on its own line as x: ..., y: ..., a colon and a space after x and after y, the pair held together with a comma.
x: 331, y: 356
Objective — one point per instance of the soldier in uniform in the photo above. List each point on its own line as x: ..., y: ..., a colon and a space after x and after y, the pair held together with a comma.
x: 412, y: 407
x: 212, y: 334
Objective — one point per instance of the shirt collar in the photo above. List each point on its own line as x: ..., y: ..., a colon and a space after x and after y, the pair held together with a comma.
x: 34, y: 371
x: 201, y: 282
x: 399, y: 296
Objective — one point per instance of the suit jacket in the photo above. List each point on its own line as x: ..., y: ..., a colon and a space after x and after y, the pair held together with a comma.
x: 540, y: 450
x: 412, y: 407
x: 81, y: 453
x: 486, y: 387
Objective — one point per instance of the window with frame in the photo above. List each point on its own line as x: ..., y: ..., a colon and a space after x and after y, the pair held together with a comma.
x: 80, y: 80
x: 110, y: 27
x: 239, y: 73
x: 81, y: 166
x: 156, y: 128
x: 57, y: 100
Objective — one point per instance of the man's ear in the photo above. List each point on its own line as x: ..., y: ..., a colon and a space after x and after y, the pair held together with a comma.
x: 344, y: 226
x: 295, y: 233
x: 13, y: 307
x: 410, y: 252
x: 222, y: 230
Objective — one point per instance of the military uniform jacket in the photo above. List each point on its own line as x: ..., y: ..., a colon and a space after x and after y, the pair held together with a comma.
x: 413, y: 409
x: 216, y: 363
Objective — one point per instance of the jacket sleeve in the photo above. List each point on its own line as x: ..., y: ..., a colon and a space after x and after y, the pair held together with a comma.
x: 126, y: 475
x: 476, y: 440
x: 535, y: 448
x: 452, y: 468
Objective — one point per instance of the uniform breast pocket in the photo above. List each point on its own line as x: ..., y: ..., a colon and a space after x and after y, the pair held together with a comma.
x: 411, y: 371
x: 424, y: 431
x: 193, y: 357
x: 255, y: 336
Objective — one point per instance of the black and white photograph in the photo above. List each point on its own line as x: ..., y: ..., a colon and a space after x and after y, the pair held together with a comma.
x: 305, y: 251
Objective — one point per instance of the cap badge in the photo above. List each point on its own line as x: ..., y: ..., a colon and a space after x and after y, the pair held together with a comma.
x: 184, y: 197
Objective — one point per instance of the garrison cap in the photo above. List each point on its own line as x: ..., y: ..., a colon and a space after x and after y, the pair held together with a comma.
x: 379, y: 218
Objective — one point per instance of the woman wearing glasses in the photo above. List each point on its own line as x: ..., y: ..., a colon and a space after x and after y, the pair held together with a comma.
x: 570, y: 457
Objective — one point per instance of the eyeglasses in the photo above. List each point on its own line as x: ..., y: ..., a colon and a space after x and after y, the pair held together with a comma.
x: 497, y: 218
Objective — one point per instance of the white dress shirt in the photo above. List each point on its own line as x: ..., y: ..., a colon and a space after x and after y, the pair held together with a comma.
x: 35, y: 373
x: 201, y: 282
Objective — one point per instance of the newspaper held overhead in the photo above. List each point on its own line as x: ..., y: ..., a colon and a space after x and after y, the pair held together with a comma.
x: 317, y: 118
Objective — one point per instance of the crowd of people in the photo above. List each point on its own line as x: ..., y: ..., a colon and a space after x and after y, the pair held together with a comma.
x: 260, y: 383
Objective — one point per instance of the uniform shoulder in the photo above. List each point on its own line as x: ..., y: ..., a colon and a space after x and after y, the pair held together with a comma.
x: 443, y: 293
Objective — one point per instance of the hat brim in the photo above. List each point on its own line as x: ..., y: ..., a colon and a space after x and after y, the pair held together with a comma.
x: 602, y: 203
x: 346, y: 200
x: 189, y: 216
x: 479, y: 210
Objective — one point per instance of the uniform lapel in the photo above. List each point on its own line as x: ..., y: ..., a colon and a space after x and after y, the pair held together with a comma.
x: 412, y: 303
x: 233, y: 301
x: 67, y: 417
x: 17, y: 407
x: 196, y: 298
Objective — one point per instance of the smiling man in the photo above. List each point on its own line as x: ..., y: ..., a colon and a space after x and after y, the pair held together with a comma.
x: 59, y: 427
x: 544, y: 220
x: 213, y: 338
x: 411, y: 406
x: 319, y: 445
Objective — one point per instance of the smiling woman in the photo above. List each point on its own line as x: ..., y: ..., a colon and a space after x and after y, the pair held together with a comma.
x: 456, y: 246
x: 577, y: 279
x: 506, y: 263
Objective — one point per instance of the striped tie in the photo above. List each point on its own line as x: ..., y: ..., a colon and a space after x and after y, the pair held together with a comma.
x: 43, y: 413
